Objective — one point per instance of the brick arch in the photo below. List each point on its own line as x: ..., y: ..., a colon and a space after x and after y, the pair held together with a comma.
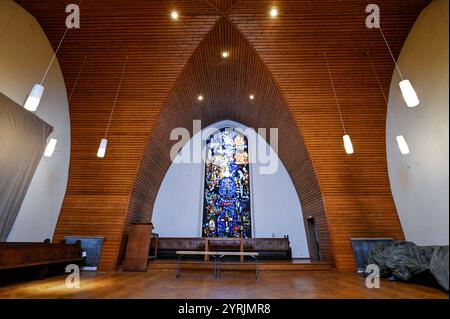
x: 226, y: 85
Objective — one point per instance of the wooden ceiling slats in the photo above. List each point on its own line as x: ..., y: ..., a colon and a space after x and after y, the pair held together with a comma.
x: 355, y: 188
x: 282, y: 65
x: 222, y: 5
x: 226, y: 85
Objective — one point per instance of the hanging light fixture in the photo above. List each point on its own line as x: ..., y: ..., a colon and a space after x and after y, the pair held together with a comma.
x: 401, y: 141
x: 34, y: 98
x: 409, y: 94
x: 402, y: 145
x: 348, y: 146
x: 102, y: 148
x: 104, y: 141
x: 51, y: 145
x: 50, y: 148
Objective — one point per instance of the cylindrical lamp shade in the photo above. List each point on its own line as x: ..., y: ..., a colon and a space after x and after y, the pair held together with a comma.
x: 409, y: 94
x: 50, y: 148
x: 102, y: 148
x: 348, y: 145
x: 402, y: 145
x: 34, y: 98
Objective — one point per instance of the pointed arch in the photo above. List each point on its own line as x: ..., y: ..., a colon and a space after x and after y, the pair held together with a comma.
x: 225, y: 85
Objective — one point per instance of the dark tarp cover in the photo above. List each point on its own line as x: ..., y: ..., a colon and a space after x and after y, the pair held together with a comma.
x: 406, y: 261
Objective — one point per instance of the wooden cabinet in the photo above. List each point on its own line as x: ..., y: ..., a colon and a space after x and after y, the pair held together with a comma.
x: 138, y: 247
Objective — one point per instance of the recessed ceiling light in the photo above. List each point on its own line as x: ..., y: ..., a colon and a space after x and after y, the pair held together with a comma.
x: 174, y: 15
x: 200, y: 98
x: 225, y: 54
x: 274, y: 12
x: 252, y: 97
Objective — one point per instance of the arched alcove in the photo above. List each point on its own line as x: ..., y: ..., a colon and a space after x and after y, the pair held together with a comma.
x: 225, y: 85
x: 275, y: 206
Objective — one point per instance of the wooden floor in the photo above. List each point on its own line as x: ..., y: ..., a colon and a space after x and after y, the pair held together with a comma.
x: 161, y: 283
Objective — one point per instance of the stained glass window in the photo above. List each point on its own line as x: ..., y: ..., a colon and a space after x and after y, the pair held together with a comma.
x: 226, y: 209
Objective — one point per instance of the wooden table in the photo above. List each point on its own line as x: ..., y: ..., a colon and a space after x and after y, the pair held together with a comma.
x: 218, y: 255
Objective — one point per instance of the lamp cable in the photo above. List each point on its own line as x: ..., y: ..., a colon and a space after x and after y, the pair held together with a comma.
x: 382, y: 92
x: 334, y: 92
x: 387, y: 45
x: 78, y: 77
x: 117, y: 95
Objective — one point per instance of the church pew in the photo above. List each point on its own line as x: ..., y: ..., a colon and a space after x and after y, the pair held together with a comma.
x: 17, y: 259
x: 268, y: 248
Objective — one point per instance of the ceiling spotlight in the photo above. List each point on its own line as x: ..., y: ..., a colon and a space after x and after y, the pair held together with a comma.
x: 200, y: 98
x: 252, y: 97
x: 174, y: 15
x: 274, y: 12
x: 225, y: 54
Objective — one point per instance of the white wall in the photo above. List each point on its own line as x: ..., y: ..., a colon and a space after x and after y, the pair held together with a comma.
x: 24, y: 55
x: 275, y: 206
x: 419, y: 180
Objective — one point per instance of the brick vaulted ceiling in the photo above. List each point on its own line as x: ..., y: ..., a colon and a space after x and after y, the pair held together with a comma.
x: 279, y: 60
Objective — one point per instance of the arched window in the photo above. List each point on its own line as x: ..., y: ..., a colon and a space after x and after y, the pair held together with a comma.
x: 226, y: 206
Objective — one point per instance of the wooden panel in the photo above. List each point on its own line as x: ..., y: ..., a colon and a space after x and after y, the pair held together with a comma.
x: 94, y: 215
x: 282, y: 62
x: 138, y: 247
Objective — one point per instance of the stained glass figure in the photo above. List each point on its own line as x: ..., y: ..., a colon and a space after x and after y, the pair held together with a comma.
x: 226, y: 209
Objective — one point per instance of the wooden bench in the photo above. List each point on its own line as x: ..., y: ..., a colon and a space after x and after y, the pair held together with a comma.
x: 268, y: 248
x: 41, y: 256
x: 218, y: 255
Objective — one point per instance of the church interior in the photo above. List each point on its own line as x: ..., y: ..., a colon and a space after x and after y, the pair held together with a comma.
x: 224, y: 149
